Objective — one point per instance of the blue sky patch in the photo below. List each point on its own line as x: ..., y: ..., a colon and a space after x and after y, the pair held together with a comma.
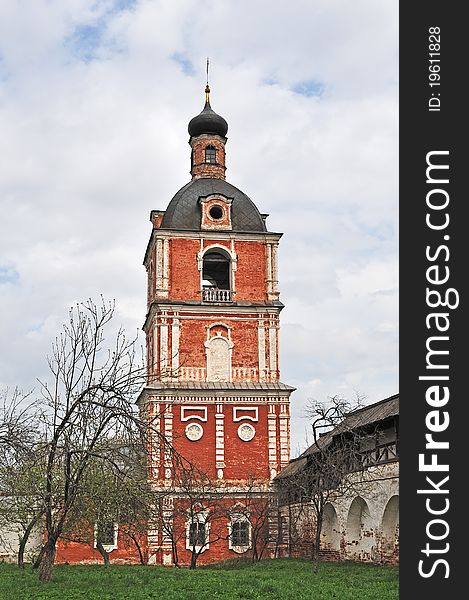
x: 8, y: 275
x: 85, y: 39
x: 186, y: 65
x: 124, y: 5
x: 308, y: 88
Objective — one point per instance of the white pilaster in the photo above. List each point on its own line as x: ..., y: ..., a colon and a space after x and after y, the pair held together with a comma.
x: 164, y: 349
x: 168, y: 433
x: 219, y: 440
x: 272, y: 433
x: 268, y: 252
x: 165, y: 281
x: 275, y: 292
x: 284, y: 435
x: 175, y: 328
x: 167, y: 530
x: 273, y: 348
x: 159, y: 266
x: 154, y: 366
x: 155, y: 424
x: 261, y: 350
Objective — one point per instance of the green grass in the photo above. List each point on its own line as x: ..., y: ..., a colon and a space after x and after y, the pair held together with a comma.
x: 281, y: 579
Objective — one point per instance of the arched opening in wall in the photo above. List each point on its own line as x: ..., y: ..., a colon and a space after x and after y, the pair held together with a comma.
x: 216, y: 276
x: 330, y: 536
x: 390, y: 527
x: 359, y: 534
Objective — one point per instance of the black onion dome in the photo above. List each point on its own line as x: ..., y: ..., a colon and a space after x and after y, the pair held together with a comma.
x: 207, y: 122
x: 184, y: 210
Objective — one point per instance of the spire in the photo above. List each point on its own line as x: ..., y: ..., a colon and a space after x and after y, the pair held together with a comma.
x: 207, y: 122
x: 207, y: 87
x: 207, y: 139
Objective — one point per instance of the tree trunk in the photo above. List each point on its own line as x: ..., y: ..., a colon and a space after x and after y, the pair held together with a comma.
x: 139, y: 549
x: 193, y: 560
x: 317, y: 543
x: 255, y: 557
x: 175, y: 553
x: 37, y: 562
x: 47, y: 562
x: 103, y: 552
x: 24, y: 541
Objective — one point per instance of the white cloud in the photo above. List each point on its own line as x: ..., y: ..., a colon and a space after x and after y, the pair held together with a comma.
x: 94, y: 105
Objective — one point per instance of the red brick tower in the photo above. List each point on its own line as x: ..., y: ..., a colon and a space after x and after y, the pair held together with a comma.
x: 212, y: 335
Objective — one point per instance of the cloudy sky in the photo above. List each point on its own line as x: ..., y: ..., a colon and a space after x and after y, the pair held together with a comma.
x: 95, y: 97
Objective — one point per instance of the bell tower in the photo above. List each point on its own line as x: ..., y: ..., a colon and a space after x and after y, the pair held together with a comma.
x: 212, y: 329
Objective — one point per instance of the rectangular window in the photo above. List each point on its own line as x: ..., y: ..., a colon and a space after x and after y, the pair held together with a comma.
x: 240, y: 533
x: 106, y: 532
x: 210, y: 154
x: 197, y: 534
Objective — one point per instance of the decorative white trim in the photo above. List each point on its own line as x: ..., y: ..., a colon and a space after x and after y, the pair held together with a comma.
x: 200, y: 517
x: 219, y: 441
x: 155, y: 419
x: 202, y: 409
x: 246, y: 432
x: 168, y: 432
x: 155, y: 349
x: 218, y: 324
x: 207, y: 221
x: 275, y: 292
x: 164, y: 350
x: 212, y: 375
x: 159, y: 265
x: 253, y: 409
x: 107, y: 547
x: 239, y: 518
x: 268, y: 253
x: 261, y: 350
x: 273, y: 348
x: 272, y: 433
x: 284, y: 434
x: 233, y: 258
x: 165, y: 279
x: 175, y: 329
x: 194, y: 431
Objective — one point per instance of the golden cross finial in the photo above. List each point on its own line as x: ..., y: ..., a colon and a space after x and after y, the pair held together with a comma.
x: 207, y: 87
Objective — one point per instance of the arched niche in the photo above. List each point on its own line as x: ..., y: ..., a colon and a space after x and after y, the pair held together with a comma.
x: 390, y: 527
x: 359, y: 535
x: 330, y: 536
x: 218, y: 349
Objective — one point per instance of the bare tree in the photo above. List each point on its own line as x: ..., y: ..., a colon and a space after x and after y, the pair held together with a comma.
x: 199, y: 506
x: 258, y: 509
x: 114, y: 497
x: 89, y: 401
x: 21, y: 469
x: 330, y: 469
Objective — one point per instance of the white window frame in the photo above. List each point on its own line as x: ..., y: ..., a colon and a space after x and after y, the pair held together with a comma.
x: 200, y: 517
x: 107, y: 547
x: 239, y: 518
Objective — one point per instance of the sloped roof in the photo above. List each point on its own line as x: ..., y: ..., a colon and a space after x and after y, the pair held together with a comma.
x: 184, y: 210
x: 374, y: 413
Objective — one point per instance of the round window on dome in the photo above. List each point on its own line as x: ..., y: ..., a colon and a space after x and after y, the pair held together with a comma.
x: 216, y: 212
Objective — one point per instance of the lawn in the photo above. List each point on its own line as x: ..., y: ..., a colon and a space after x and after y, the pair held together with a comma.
x: 281, y: 579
